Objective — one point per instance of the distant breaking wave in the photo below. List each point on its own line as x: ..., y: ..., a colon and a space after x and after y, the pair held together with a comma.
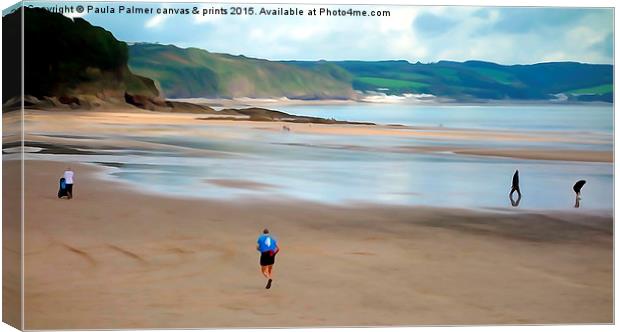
x: 379, y: 97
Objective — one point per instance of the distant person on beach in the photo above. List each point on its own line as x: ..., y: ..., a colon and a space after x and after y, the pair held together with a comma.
x: 515, y: 187
x: 515, y: 184
x: 268, y: 247
x: 577, y: 188
x: 69, y: 177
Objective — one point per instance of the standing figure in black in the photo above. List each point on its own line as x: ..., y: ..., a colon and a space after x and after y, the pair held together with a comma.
x: 577, y: 188
x: 515, y: 187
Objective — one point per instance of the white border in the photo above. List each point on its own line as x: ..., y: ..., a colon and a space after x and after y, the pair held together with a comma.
x: 538, y: 3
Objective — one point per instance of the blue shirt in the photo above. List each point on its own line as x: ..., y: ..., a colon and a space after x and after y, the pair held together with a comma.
x: 266, y: 242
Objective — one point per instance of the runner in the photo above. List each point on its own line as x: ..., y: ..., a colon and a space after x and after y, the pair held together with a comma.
x: 268, y: 247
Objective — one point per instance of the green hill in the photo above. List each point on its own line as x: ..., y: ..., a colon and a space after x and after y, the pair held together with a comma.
x: 192, y: 72
x: 65, y: 57
x: 478, y: 80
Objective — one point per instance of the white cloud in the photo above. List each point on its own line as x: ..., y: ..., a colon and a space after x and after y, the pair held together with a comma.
x: 474, y: 37
x: 555, y: 56
x: 496, y: 34
x: 155, y: 21
x: 400, y: 20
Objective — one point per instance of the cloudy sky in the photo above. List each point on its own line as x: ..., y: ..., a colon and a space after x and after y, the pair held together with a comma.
x: 500, y: 34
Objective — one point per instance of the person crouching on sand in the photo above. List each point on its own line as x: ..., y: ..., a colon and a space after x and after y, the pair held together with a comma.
x: 69, y: 180
x: 268, y: 247
x: 577, y: 189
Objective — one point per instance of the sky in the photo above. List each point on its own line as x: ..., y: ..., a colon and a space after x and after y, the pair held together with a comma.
x: 505, y: 35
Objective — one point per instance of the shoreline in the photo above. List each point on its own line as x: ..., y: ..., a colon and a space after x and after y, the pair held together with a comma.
x: 182, y: 257
x: 430, y: 139
x: 102, y: 172
x: 283, y: 101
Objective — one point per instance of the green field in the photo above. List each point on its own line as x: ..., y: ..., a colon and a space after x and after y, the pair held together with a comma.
x: 593, y: 90
x: 496, y: 75
x: 391, y: 83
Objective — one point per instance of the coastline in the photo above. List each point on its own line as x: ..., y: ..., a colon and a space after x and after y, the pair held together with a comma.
x: 194, y: 260
x: 283, y: 101
x: 430, y: 139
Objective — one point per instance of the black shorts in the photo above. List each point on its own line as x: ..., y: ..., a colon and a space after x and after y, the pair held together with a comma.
x: 70, y: 188
x: 267, y: 259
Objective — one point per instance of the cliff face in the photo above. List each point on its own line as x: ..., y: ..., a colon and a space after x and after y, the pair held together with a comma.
x: 66, y: 58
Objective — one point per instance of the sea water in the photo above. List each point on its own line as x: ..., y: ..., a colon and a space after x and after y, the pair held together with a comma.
x: 558, y: 117
x: 343, y: 169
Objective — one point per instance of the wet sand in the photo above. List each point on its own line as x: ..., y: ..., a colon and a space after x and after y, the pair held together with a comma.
x: 263, y: 102
x: 532, y: 153
x: 94, y: 126
x: 114, y: 257
x: 239, y: 184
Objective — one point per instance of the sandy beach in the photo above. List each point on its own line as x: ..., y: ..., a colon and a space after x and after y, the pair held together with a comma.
x: 117, y: 258
x: 120, y: 257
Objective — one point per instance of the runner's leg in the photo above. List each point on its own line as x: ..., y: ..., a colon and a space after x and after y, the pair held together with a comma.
x: 269, y: 271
